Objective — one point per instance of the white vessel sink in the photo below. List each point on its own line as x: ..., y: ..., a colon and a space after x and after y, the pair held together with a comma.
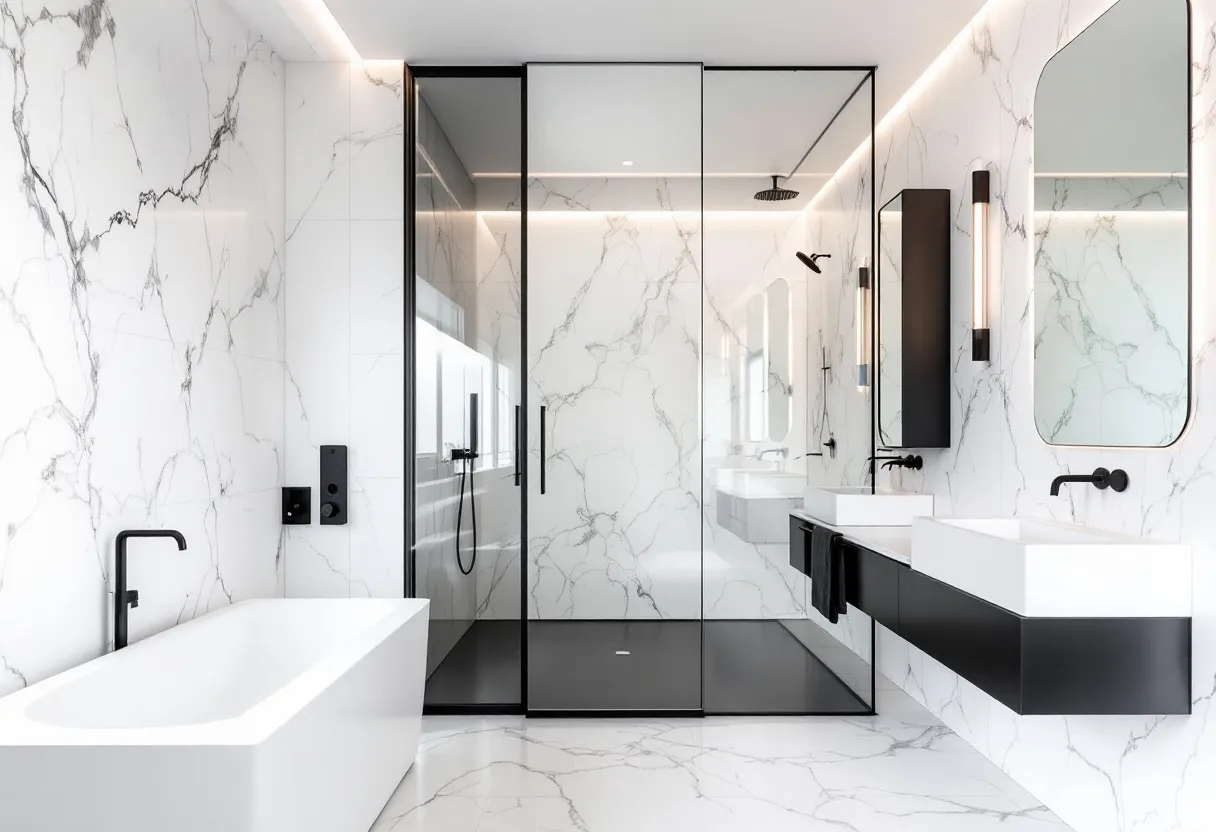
x: 857, y: 506
x: 748, y: 482
x: 1041, y: 568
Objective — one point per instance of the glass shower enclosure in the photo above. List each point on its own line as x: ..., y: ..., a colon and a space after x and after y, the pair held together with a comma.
x: 610, y: 340
x: 614, y: 334
x: 465, y: 243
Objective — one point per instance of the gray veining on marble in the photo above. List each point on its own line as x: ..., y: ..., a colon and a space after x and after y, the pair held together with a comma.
x: 977, y: 109
x: 345, y: 326
x: 141, y: 318
x: 614, y: 357
x: 902, y: 770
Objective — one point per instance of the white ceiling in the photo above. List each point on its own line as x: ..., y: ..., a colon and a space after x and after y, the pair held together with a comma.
x: 755, y: 123
x: 901, y: 37
x: 480, y: 117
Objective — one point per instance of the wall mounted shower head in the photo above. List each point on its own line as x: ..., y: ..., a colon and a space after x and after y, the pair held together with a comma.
x: 776, y: 194
x: 810, y: 262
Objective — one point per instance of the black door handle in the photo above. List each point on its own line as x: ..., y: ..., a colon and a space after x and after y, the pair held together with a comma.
x: 518, y: 470
x: 543, y: 452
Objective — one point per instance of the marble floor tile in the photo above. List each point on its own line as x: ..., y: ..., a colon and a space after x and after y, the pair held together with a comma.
x: 901, y: 770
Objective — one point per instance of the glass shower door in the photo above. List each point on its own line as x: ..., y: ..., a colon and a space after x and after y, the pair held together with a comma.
x: 613, y: 351
x: 468, y: 380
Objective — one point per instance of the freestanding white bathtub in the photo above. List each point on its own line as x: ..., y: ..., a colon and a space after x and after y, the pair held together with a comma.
x: 266, y: 716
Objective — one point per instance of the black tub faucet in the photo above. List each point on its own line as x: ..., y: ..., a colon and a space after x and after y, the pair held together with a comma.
x: 126, y: 598
x: 1100, y: 479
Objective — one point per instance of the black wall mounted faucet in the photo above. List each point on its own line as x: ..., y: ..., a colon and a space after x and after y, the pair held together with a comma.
x: 123, y: 597
x: 911, y: 461
x: 1100, y: 479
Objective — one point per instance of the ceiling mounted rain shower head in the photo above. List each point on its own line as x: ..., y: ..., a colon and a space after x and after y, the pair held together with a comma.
x: 776, y: 194
x: 810, y: 262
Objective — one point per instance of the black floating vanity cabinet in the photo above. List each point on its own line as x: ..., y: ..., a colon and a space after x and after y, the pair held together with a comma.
x: 1044, y: 666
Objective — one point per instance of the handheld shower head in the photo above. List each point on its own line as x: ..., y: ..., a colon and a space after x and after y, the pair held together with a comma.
x: 811, y: 261
x: 775, y: 194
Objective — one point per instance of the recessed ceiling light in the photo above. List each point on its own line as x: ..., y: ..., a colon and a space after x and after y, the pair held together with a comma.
x: 627, y: 163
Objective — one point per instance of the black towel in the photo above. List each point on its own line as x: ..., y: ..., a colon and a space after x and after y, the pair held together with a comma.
x: 827, y: 574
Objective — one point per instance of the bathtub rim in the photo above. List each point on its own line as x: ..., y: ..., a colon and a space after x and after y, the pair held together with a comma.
x: 251, y: 728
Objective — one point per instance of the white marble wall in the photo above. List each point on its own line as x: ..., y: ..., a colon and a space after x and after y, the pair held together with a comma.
x: 344, y: 320
x: 975, y: 108
x: 839, y: 224
x: 1110, y: 311
x: 614, y: 353
x: 498, y: 251
x: 744, y: 254
x: 141, y: 279
x: 628, y: 552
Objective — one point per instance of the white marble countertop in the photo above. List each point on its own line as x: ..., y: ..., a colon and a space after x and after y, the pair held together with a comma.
x: 894, y: 542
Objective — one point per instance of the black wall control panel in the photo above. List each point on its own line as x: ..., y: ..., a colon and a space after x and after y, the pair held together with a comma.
x: 333, y: 497
x: 297, y: 506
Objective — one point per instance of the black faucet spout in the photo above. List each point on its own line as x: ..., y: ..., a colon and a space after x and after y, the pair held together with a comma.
x: 912, y: 462
x: 1061, y: 480
x: 125, y: 598
x: 1100, y: 479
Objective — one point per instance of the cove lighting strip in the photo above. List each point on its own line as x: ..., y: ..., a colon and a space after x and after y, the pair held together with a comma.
x: 320, y: 27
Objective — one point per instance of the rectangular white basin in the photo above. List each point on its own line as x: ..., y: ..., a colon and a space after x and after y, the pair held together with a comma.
x: 1041, y: 568
x: 746, y: 482
x: 857, y: 506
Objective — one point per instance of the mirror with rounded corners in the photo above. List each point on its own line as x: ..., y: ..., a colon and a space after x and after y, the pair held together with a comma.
x: 754, y: 372
x: 766, y: 367
x: 777, y: 346
x: 1112, y: 231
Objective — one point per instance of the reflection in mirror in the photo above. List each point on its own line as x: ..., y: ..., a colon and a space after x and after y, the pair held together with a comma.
x: 890, y: 315
x: 765, y: 364
x: 1112, y: 238
x: 777, y: 345
x: 753, y: 370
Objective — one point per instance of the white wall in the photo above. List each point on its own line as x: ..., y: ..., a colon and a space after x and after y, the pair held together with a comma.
x: 744, y: 254
x: 344, y: 320
x: 141, y: 196
x: 975, y: 108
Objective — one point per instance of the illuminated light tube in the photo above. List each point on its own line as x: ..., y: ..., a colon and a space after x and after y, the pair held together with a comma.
x: 861, y: 326
x: 981, y: 197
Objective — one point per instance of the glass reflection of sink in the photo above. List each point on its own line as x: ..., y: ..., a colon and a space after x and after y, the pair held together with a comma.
x: 857, y: 506
x: 749, y: 482
x: 754, y: 504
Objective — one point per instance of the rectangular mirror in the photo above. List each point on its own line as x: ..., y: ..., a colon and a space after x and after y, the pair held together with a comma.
x: 1112, y: 231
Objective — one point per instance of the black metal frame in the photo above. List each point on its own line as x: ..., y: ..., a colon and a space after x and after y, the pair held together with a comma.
x: 521, y: 72
x: 411, y: 309
x: 409, y: 350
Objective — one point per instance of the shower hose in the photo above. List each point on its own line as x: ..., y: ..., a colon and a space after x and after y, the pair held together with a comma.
x: 466, y: 470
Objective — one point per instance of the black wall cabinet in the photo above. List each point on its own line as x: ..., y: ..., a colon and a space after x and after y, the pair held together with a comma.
x: 914, y: 320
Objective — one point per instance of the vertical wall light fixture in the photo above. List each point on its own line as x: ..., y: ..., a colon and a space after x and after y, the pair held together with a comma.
x: 861, y: 325
x: 981, y: 335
